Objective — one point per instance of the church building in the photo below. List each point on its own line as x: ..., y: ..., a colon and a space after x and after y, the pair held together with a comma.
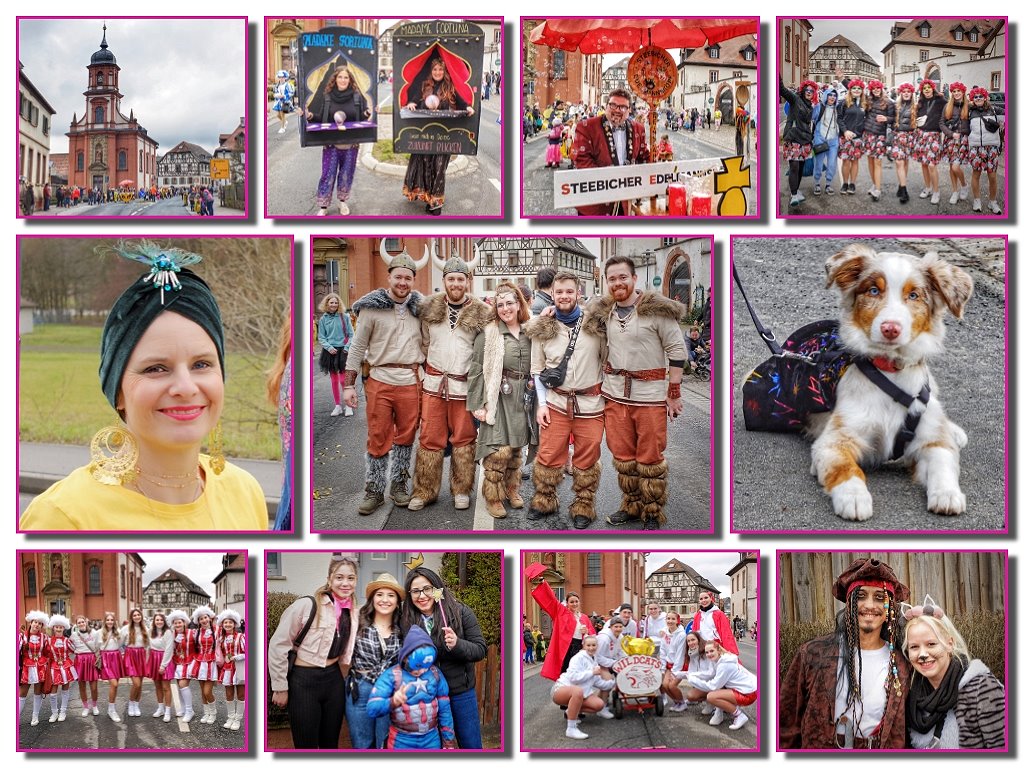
x: 105, y: 148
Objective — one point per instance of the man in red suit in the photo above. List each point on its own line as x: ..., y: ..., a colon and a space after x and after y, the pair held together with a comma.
x: 610, y: 139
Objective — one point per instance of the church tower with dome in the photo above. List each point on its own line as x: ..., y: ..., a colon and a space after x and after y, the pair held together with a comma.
x: 106, y: 148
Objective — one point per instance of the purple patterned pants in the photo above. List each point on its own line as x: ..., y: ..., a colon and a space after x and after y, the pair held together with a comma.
x: 338, y: 163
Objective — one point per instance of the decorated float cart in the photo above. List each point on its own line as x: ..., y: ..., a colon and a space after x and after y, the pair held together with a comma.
x: 637, y: 679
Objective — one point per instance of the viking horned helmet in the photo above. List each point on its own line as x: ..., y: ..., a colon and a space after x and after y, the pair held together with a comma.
x: 456, y: 264
x: 403, y: 259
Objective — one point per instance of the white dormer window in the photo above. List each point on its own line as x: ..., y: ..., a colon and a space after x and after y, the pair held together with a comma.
x: 925, y: 29
x: 973, y: 37
x: 958, y: 33
x: 713, y: 52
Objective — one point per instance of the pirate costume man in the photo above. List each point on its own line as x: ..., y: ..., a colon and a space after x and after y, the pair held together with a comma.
x: 388, y: 341
x: 848, y: 690
x: 449, y: 323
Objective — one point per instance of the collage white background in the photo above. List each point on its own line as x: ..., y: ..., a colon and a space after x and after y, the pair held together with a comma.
x: 512, y: 545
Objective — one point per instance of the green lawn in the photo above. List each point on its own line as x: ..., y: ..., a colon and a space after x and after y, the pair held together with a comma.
x: 61, y: 401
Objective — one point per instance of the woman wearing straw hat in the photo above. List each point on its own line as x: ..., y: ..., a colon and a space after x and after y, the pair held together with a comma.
x: 378, y: 642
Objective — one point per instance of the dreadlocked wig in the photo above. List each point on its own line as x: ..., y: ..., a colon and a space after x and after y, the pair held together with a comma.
x: 850, y: 662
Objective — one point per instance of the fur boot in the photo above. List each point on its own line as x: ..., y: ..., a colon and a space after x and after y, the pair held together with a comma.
x: 545, y: 498
x: 514, y: 478
x: 426, y: 481
x: 376, y: 477
x: 653, y: 485
x: 629, y: 484
x: 401, y: 457
x: 493, y: 484
x: 584, y: 486
x: 463, y: 469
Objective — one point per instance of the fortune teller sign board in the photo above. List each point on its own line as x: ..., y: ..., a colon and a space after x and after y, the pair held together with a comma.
x: 321, y: 53
x: 437, y: 76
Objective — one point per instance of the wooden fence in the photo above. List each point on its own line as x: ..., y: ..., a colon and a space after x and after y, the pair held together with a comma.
x: 488, y: 687
x: 960, y: 582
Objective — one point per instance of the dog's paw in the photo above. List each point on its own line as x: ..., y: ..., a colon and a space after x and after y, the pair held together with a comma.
x: 851, y: 500
x: 959, y: 436
x: 947, y: 502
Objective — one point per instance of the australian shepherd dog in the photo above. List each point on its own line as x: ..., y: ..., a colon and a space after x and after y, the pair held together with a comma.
x: 892, y: 307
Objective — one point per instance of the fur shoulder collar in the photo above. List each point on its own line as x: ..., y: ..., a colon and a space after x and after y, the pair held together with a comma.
x: 652, y: 304
x: 474, y: 316
x: 379, y: 299
x: 541, y: 328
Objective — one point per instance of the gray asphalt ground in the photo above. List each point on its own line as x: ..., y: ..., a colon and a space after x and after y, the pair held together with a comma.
x: 772, y: 488
x: 338, y: 479
x: 543, y: 724
x: 94, y: 732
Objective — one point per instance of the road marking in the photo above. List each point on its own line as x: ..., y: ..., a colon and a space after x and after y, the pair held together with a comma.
x: 496, y: 183
x: 482, y: 521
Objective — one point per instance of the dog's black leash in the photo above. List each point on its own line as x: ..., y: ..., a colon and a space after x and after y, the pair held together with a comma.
x: 909, y: 428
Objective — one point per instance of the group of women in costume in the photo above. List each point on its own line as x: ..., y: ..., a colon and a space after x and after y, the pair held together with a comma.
x: 580, y: 662
x: 172, y: 650
x: 349, y: 663
x: 921, y: 125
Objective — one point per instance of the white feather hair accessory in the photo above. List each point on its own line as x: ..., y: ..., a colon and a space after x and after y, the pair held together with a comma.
x: 57, y: 620
x: 39, y: 616
x: 173, y: 616
x: 228, y: 613
x: 203, y: 610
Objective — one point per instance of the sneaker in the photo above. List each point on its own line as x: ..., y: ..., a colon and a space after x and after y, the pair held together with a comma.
x: 794, y: 201
x: 845, y: 189
x: 187, y: 717
x: 35, y: 720
x: 462, y: 501
x: 167, y: 715
x: 348, y: 411
x: 371, y: 501
x: 976, y: 206
x: 963, y: 193
x: 281, y: 130
x: 902, y: 195
x: 85, y: 711
x: 338, y: 410
x: 994, y: 207
x: 606, y: 714
x: 954, y: 198
x: 62, y: 716
x: 416, y: 504
x: 852, y: 189
x: 575, y: 733
x: 926, y: 192
x: 707, y: 709
x: 159, y: 711
x: 53, y: 717
x: 800, y: 196
x: 399, y: 493
x: 876, y: 194
x: 95, y: 709
x: 343, y: 208
x: 738, y: 721
x: 322, y: 212
x: 718, y: 718
x: 829, y: 190
x: 935, y: 198
x: 679, y: 706
x: 817, y: 189
x: 114, y: 716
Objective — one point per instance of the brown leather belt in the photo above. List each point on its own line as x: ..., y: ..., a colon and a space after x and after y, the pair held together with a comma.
x: 647, y: 374
x: 508, y: 373
x: 445, y: 376
x: 570, y: 396
x: 406, y: 366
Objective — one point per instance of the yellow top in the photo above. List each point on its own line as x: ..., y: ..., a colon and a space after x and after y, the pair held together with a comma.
x: 232, y: 500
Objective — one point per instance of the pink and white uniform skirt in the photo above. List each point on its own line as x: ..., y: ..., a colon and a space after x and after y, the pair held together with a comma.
x: 135, y: 661
x: 153, y: 659
x: 85, y: 667
x: 113, y: 669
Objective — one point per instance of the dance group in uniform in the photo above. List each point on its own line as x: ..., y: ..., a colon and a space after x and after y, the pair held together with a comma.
x: 205, y: 647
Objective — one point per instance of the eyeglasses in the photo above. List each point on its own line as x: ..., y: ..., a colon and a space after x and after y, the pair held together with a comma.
x: 421, y: 592
x: 618, y: 107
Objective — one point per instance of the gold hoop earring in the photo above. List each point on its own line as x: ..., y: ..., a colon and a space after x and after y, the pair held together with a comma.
x: 217, y: 450
x: 113, y: 454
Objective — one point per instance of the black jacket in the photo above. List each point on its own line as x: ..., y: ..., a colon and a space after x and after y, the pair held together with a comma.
x: 459, y: 664
x: 851, y: 118
x: 931, y: 110
x: 798, y: 122
x: 877, y: 107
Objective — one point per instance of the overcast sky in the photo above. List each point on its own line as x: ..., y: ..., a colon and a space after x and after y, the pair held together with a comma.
x: 185, y: 79
x: 201, y: 567
x: 872, y: 35
x: 713, y: 566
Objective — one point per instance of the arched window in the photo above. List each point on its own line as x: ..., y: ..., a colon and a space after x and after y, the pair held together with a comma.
x: 80, y: 161
x: 97, y: 115
x: 122, y: 160
x: 99, y: 78
x: 30, y: 582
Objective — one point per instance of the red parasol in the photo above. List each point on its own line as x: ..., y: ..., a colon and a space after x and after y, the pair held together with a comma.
x: 126, y: 183
x: 627, y: 35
